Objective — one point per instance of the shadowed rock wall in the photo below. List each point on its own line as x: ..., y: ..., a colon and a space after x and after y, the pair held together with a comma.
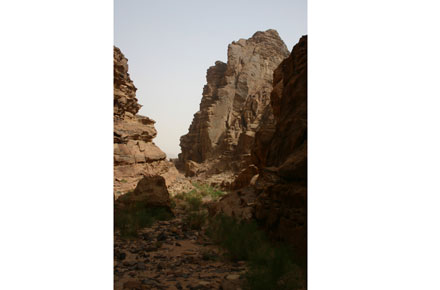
x: 280, y: 153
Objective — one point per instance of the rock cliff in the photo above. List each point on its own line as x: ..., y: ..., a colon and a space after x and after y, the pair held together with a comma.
x: 281, y: 154
x: 235, y: 100
x: 273, y: 189
x: 135, y: 154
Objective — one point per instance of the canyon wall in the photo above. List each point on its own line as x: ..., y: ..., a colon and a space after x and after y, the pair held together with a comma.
x: 135, y: 153
x: 280, y: 154
x: 235, y: 103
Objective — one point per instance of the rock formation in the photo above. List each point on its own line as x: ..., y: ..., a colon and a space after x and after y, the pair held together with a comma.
x: 281, y: 155
x: 135, y: 154
x: 124, y: 90
x: 274, y: 188
x: 151, y: 191
x: 235, y: 100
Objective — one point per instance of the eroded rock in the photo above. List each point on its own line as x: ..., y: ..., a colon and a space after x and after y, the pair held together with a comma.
x: 235, y: 100
x: 274, y: 189
x: 281, y: 156
x: 135, y: 153
x: 151, y: 191
x: 244, y: 178
x: 124, y: 90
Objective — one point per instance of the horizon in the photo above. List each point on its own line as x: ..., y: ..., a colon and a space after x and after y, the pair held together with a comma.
x: 170, y: 47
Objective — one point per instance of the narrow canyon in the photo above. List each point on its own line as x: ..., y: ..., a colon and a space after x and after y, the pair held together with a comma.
x: 231, y: 211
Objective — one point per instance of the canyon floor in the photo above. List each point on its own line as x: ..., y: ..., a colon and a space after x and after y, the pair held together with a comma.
x: 207, y: 240
x: 170, y: 256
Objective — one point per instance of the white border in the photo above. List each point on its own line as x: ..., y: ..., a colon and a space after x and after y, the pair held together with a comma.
x: 374, y: 145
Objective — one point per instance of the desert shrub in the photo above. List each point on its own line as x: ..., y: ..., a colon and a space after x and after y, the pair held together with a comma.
x: 207, y: 190
x: 126, y: 224
x: 129, y: 220
x: 273, y: 270
x: 215, y: 193
x: 188, y: 195
x: 195, y: 220
x: 194, y: 197
x: 240, y: 239
x: 193, y: 200
x: 270, y: 266
x: 195, y: 217
x: 194, y: 203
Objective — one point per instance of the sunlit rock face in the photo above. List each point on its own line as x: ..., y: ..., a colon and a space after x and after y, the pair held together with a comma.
x: 124, y: 89
x: 236, y: 99
x: 135, y: 153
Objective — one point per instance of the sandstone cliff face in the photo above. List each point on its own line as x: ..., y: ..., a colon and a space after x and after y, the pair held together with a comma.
x: 235, y: 100
x: 135, y: 154
x: 280, y: 154
x: 124, y: 89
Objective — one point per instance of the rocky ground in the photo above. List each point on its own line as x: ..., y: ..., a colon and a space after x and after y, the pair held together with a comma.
x: 168, y: 255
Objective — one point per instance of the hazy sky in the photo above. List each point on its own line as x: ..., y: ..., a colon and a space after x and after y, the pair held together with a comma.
x: 171, y: 44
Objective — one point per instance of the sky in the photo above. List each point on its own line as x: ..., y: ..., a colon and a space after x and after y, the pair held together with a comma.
x: 171, y: 44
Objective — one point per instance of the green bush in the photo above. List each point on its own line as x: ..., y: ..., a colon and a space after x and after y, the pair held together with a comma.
x: 129, y: 220
x: 195, y: 217
x: 207, y: 190
x: 126, y: 224
x: 194, y: 197
x: 270, y: 266
x: 194, y: 203
x: 188, y: 195
x: 201, y: 190
x: 240, y: 239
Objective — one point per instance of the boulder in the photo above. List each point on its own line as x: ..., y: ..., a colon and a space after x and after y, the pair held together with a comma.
x: 191, y: 168
x: 238, y: 204
x: 244, y: 177
x: 151, y: 191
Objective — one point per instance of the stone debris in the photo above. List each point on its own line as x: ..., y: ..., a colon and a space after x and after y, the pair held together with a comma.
x: 178, y: 264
